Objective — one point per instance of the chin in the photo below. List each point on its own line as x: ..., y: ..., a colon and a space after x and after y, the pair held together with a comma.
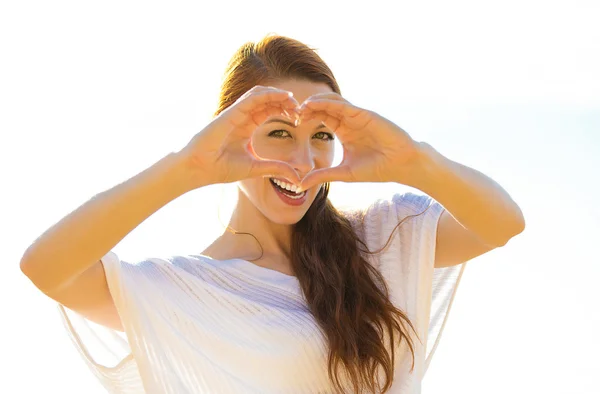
x: 279, y: 211
x: 282, y: 219
x: 279, y: 206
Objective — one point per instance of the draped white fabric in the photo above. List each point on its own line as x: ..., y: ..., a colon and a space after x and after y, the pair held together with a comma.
x: 198, y: 325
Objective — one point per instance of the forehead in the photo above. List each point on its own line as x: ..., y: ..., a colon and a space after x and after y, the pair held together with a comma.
x: 301, y: 89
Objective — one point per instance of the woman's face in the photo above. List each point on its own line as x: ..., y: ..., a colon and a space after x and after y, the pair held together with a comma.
x: 307, y: 147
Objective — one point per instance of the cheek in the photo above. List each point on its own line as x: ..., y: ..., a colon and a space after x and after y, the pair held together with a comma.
x: 268, y: 149
x: 327, y: 157
x: 250, y: 187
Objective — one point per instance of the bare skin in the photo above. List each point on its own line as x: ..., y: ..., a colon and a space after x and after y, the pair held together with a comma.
x: 259, y: 210
x: 65, y: 261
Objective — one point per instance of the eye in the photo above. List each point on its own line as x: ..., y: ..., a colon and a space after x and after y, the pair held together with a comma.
x: 279, y: 133
x: 324, y: 136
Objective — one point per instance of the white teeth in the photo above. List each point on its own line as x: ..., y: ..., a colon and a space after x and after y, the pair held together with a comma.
x: 285, y: 185
x: 296, y: 197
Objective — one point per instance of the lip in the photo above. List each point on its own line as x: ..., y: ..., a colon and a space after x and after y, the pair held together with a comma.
x: 283, y: 180
x: 286, y: 199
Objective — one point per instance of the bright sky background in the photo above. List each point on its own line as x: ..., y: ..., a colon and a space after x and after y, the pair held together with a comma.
x: 91, y: 93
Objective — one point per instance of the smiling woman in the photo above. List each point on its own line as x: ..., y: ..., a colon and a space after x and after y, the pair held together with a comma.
x: 317, y: 300
x: 289, y: 193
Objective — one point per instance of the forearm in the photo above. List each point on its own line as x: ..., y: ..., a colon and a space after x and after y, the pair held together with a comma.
x: 476, y: 201
x: 82, y: 237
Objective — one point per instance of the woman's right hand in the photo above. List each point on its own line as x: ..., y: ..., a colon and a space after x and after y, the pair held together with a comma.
x: 222, y: 152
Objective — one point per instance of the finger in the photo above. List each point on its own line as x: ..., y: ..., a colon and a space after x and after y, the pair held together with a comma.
x: 336, y: 108
x: 268, y: 113
x: 274, y: 168
x: 326, y: 95
x: 244, y: 126
x: 257, y: 109
x: 293, y: 115
x: 260, y: 95
x: 271, y: 168
x: 260, y: 91
x: 331, y: 122
x: 347, y: 116
x: 340, y: 173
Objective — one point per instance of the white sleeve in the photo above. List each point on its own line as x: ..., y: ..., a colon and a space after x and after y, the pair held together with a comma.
x: 106, y: 351
x: 426, y: 293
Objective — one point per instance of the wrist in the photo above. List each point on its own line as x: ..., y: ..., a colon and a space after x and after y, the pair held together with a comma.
x: 179, y: 174
x: 428, y: 169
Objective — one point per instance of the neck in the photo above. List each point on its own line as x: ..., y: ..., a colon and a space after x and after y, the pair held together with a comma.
x: 274, y: 238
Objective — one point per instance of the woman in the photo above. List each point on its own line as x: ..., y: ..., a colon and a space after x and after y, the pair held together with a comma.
x: 297, y: 297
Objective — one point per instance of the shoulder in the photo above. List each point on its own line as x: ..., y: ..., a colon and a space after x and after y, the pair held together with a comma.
x: 403, y: 204
x: 416, y: 210
x: 399, y: 227
x: 151, y: 268
x: 160, y: 278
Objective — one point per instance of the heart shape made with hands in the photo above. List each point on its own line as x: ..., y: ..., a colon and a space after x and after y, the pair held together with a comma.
x: 374, y: 148
x: 299, y: 113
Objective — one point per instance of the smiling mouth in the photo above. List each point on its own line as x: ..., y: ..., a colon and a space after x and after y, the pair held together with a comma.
x: 286, y: 189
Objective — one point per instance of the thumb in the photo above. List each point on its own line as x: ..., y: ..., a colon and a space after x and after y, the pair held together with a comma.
x: 340, y: 173
x: 274, y: 168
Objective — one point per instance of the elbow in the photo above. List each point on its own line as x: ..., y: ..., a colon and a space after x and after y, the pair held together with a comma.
x: 45, y: 273
x: 30, y: 268
x: 519, y: 225
x: 36, y: 272
x: 27, y: 265
x: 516, y: 227
x: 501, y: 231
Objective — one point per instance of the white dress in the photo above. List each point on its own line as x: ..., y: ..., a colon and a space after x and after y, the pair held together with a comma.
x: 197, y: 325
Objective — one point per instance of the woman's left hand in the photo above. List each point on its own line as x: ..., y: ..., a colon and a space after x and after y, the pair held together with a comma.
x: 375, y: 149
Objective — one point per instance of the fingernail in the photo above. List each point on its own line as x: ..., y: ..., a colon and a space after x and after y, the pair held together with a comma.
x: 299, y: 190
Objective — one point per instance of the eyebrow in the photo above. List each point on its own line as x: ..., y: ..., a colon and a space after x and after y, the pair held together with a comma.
x: 320, y: 126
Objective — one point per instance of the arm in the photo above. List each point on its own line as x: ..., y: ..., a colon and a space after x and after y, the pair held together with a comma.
x: 64, y: 261
x: 479, y: 216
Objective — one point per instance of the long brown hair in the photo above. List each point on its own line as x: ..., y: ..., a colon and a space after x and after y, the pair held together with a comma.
x: 347, y: 296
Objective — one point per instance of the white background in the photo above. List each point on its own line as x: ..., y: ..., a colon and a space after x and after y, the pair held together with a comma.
x: 91, y: 93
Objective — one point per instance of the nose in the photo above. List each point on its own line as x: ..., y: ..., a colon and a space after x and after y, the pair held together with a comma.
x: 303, y: 160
